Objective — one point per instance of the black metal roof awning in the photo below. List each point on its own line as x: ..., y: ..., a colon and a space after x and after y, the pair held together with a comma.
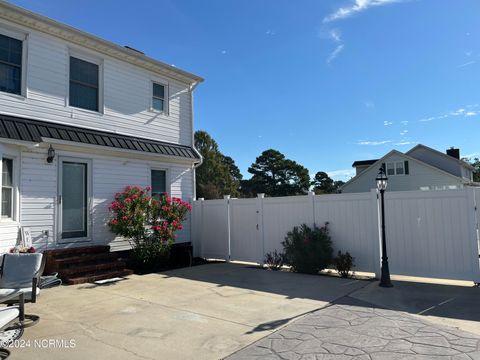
x: 16, y: 128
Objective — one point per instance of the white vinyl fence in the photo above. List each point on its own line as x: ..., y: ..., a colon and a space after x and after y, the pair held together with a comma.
x: 428, y: 233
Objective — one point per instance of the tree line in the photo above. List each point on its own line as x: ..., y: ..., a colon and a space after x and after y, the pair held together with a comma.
x: 272, y: 174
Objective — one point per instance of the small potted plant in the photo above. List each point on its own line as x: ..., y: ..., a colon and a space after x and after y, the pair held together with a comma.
x: 20, y: 249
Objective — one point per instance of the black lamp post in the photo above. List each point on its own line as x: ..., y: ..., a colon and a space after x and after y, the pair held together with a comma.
x: 382, y: 180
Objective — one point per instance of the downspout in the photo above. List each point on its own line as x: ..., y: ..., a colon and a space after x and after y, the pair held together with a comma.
x: 196, y: 164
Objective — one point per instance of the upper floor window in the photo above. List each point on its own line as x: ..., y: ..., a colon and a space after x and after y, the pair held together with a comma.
x: 84, y: 84
x: 10, y: 65
x: 158, y: 97
x: 159, y: 182
x: 397, y: 168
x: 7, y: 188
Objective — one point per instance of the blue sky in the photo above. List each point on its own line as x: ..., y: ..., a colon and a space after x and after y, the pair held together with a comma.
x: 326, y: 83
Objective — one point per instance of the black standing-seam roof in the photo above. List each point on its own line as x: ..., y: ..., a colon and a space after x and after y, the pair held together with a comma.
x: 12, y: 127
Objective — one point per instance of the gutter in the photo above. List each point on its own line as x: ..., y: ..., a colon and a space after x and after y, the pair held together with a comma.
x: 200, y: 162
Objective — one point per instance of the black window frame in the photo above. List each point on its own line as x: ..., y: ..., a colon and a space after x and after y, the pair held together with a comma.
x: 19, y: 66
x: 76, y: 82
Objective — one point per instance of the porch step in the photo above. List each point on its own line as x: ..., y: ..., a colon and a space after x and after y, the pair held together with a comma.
x: 98, y: 276
x: 85, y: 264
x: 88, y: 269
x: 82, y: 250
x: 87, y: 259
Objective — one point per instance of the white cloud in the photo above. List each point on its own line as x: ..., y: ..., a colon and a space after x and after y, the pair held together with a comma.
x: 270, y: 33
x: 335, y: 35
x: 472, y: 155
x: 404, y: 142
x: 333, y: 55
x: 344, y: 173
x: 224, y: 52
x: 373, y: 143
x: 404, y: 122
x: 369, y: 104
x: 468, y: 63
x: 403, y: 132
x: 387, y: 123
x: 459, y: 112
x: 356, y: 7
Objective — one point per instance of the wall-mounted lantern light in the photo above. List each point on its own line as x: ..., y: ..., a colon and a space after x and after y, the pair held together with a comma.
x: 50, y: 154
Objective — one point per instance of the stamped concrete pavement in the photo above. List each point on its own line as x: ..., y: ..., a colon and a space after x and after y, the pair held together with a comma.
x: 354, y: 329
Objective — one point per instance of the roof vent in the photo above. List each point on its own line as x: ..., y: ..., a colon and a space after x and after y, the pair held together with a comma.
x: 133, y: 49
x: 453, y: 152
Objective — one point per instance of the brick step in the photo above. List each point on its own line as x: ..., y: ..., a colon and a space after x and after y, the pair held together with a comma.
x: 94, y: 268
x: 98, y: 276
x: 62, y: 253
x: 88, y: 259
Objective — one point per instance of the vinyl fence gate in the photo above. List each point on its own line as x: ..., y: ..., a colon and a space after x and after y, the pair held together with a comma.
x: 429, y: 233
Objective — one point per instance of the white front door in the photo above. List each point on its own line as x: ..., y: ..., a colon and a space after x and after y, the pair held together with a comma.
x: 74, y: 200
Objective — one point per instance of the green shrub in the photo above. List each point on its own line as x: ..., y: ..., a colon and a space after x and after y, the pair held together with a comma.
x: 274, y: 260
x: 308, y: 250
x: 149, y: 224
x: 343, y: 264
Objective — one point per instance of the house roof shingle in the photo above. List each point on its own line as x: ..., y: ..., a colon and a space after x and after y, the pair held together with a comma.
x: 12, y: 127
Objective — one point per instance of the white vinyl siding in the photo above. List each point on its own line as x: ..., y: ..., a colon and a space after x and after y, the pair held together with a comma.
x: 127, y: 95
x: 109, y: 175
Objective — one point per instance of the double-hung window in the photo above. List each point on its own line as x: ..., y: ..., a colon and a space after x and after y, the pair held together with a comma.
x: 10, y: 65
x: 159, y: 183
x: 397, y: 168
x: 158, y: 97
x: 7, y: 188
x: 84, y: 84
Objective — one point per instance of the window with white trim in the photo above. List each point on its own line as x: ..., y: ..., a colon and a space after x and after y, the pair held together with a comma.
x: 159, y: 92
x: 84, y: 84
x: 159, y: 182
x: 7, y: 188
x: 397, y: 168
x: 11, y: 65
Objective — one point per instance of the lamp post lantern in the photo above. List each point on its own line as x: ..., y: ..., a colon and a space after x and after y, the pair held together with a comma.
x: 382, y: 181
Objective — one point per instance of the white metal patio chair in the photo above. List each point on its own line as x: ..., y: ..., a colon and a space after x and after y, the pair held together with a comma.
x: 12, y: 318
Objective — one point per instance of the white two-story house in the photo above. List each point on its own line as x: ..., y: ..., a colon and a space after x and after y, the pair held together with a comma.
x: 420, y: 168
x: 80, y: 119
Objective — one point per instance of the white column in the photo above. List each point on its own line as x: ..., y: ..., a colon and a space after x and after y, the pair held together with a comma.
x: 260, y: 229
x: 226, y: 198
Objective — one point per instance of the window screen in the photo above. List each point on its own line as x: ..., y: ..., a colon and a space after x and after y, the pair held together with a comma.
x: 159, y: 182
x: 83, y: 84
x: 10, y: 65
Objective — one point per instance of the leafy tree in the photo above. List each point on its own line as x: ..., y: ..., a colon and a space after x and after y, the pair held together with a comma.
x: 323, y: 184
x: 275, y: 175
x: 338, y: 184
x: 218, y: 175
x: 475, y: 162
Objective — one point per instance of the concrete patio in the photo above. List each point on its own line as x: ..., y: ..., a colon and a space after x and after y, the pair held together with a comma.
x: 202, y: 312
x: 215, y: 310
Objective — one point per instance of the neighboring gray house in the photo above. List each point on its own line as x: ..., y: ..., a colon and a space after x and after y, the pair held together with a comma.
x: 420, y: 168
